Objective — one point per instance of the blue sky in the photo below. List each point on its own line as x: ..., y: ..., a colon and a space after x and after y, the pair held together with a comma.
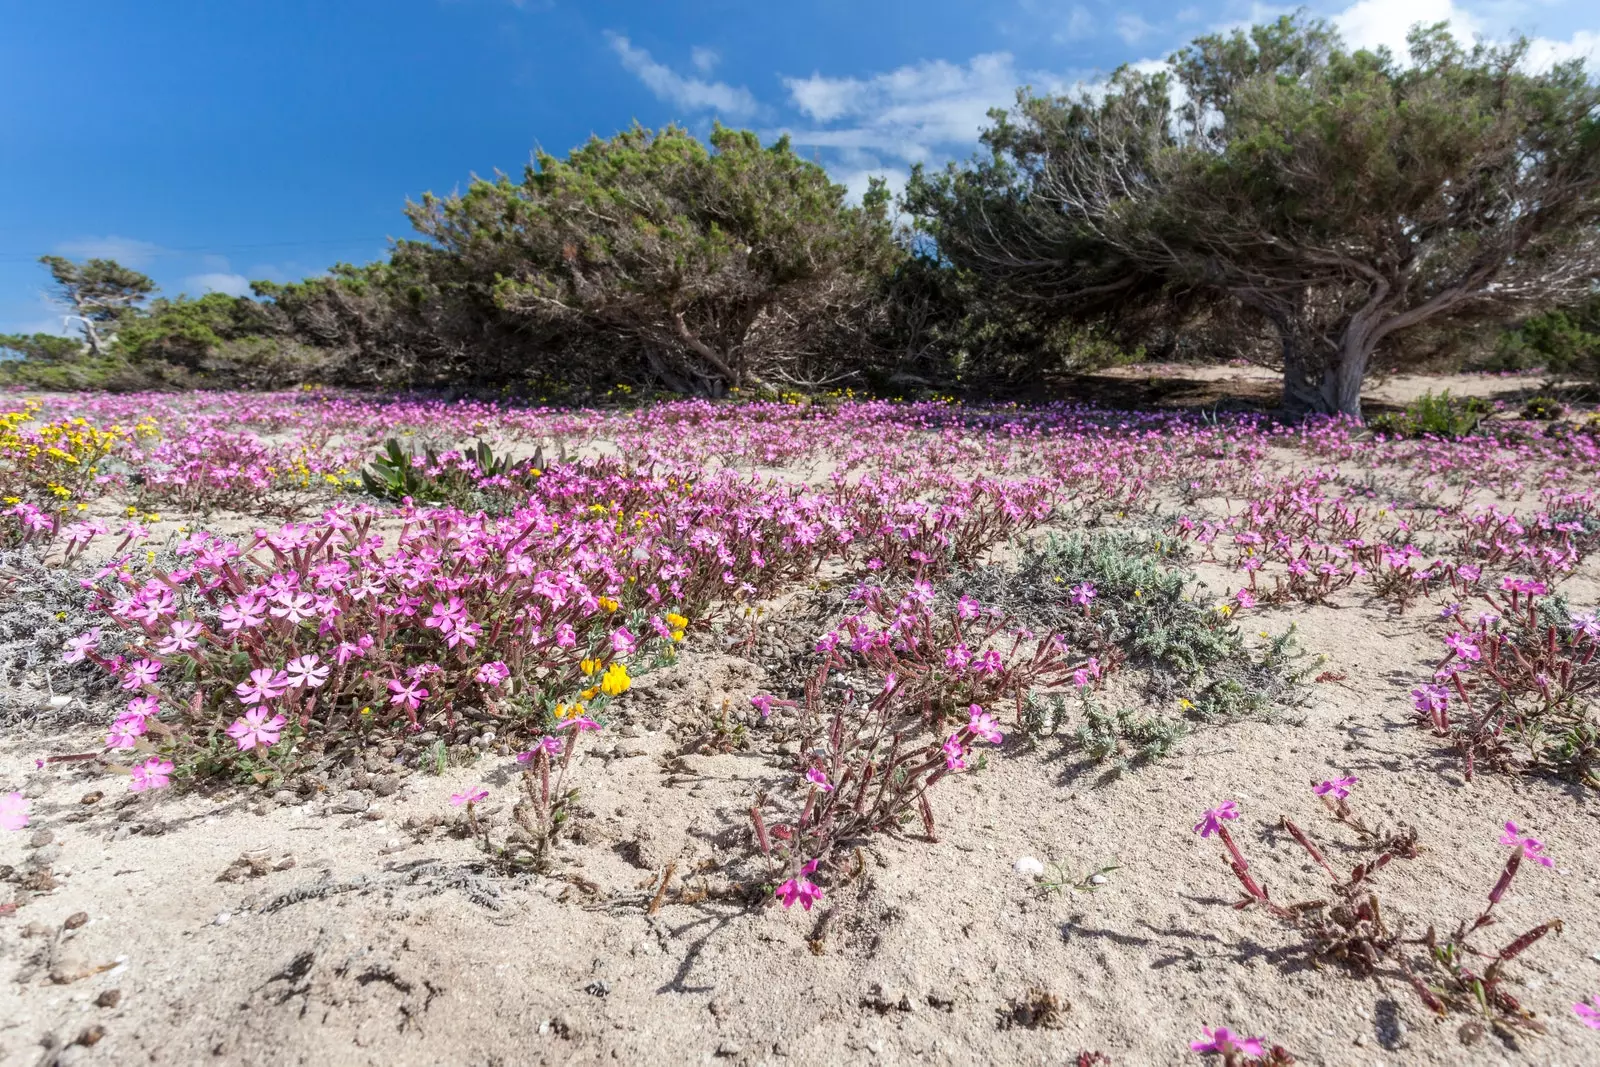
x: 207, y: 142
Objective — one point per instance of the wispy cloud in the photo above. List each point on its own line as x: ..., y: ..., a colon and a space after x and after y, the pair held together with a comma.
x: 1133, y: 29
x: 691, y: 94
x: 217, y: 282
x: 909, y: 112
x: 705, y: 59
x: 125, y: 250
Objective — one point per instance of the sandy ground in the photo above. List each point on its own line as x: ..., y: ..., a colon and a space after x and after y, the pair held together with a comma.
x: 352, y: 926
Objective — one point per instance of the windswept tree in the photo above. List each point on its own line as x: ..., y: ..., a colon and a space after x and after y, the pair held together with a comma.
x: 102, y: 294
x: 1339, y: 198
x: 721, y: 266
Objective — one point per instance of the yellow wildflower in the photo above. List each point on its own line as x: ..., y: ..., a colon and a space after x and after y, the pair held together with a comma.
x: 616, y: 681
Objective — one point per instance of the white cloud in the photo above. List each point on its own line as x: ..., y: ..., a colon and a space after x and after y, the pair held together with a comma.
x: 691, y: 94
x: 125, y: 250
x: 1544, y: 53
x: 1375, y: 23
x: 218, y: 282
x: 907, y: 112
x: 1371, y: 23
x: 1133, y: 29
x: 705, y: 59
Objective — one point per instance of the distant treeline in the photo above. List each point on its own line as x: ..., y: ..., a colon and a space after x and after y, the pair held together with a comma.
x: 1270, y: 196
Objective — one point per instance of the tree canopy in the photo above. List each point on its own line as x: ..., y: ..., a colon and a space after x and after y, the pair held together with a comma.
x: 1339, y: 198
x: 720, y: 264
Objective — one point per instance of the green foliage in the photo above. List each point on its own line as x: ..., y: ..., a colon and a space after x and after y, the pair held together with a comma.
x: 1124, y: 738
x: 102, y: 293
x: 40, y: 347
x: 1544, y: 408
x: 471, y: 478
x: 1193, y: 657
x: 715, y: 266
x: 1565, y: 342
x: 1437, y: 416
x: 191, y: 332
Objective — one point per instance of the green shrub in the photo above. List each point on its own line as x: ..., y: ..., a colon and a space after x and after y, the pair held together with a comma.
x: 1435, y: 416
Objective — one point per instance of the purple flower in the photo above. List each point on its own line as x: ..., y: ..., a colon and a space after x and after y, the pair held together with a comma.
x: 471, y: 796
x: 1532, y: 847
x: 181, y: 638
x: 126, y: 731
x: 1463, y: 646
x: 550, y: 745
x: 1430, y: 699
x: 1338, y: 788
x: 953, y: 753
x: 1589, y: 1013
x: 815, y: 776
x: 800, y: 889
x: 762, y: 703
x: 582, y: 722
x: 1213, y: 819
x: 1083, y: 593
x: 1224, y: 1041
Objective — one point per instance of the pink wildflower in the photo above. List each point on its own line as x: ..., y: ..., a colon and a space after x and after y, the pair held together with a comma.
x: 815, y: 776
x: 254, y: 728
x: 126, y: 731
x: 264, y: 684
x: 492, y: 674
x: 549, y: 745
x: 77, y: 648
x: 1212, y: 822
x: 410, y: 693
x: 151, y: 774
x: 1338, y: 788
x: 182, y: 637
x: 140, y: 674
x: 983, y: 725
x: 1588, y: 1013
x: 14, y: 811
x: 471, y: 796
x: 1226, y: 1042
x: 1532, y: 848
x: 800, y: 889
x: 953, y: 753
x: 306, y: 672
x: 623, y: 641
